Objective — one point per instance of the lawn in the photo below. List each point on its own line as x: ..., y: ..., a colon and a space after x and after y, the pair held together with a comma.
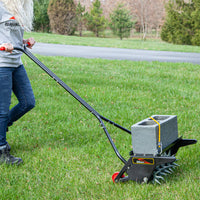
x: 66, y: 153
x: 130, y: 43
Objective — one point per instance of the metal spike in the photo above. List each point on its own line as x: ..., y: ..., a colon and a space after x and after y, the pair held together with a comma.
x: 172, y: 166
x: 176, y: 164
x: 163, y: 174
x: 165, y: 167
x: 153, y: 181
x: 164, y: 154
x: 157, y: 181
x: 157, y: 172
x: 171, y: 170
x: 167, y: 171
x: 160, y: 177
x: 163, y: 170
x: 169, y: 164
x: 169, y: 153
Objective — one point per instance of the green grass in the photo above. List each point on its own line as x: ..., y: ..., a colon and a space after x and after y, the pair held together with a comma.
x: 131, y: 43
x: 67, y: 155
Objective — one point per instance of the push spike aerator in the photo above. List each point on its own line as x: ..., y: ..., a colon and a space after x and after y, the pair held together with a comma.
x: 155, y: 140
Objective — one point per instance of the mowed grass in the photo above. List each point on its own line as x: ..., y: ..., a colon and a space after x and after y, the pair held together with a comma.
x: 128, y: 43
x: 65, y: 151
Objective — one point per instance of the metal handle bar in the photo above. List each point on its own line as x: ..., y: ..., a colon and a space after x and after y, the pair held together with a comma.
x: 77, y: 97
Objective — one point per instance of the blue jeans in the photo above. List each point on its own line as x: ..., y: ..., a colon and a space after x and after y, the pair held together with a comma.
x: 16, y: 80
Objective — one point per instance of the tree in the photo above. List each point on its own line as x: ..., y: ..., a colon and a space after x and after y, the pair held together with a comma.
x: 62, y: 15
x: 41, y: 19
x: 80, y: 17
x: 196, y: 23
x: 95, y: 21
x: 182, y: 22
x: 150, y: 15
x: 121, y: 22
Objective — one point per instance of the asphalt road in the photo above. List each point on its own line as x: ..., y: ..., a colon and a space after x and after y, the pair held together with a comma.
x: 114, y: 53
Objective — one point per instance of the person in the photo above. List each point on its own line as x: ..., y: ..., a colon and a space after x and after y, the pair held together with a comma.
x: 16, y: 16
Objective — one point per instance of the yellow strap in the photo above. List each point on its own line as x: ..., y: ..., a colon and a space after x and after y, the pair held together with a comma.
x: 158, y: 130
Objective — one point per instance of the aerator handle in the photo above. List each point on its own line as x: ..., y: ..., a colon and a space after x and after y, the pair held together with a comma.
x: 78, y: 98
x: 27, y: 45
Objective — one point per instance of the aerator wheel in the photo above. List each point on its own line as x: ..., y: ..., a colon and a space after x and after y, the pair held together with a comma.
x: 115, y: 175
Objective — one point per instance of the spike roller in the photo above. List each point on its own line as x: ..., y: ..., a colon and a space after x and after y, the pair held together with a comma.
x: 155, y: 144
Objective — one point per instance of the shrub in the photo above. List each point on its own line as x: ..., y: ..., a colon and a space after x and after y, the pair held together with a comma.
x: 62, y: 15
x: 41, y: 19
x: 121, y: 22
x: 95, y: 21
x: 182, y: 23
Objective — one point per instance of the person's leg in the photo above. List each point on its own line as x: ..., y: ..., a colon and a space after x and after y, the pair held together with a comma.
x: 24, y: 93
x: 5, y: 98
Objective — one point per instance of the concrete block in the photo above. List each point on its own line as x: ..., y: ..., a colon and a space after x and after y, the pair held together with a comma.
x: 145, y: 133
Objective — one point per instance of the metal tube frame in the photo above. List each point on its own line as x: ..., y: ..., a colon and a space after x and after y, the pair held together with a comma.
x: 77, y: 97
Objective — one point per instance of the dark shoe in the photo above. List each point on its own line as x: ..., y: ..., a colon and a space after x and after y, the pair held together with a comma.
x: 5, y: 156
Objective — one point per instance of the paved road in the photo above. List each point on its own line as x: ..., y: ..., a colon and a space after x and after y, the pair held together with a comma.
x: 114, y: 53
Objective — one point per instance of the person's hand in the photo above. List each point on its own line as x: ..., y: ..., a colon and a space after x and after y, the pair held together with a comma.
x: 7, y: 47
x: 30, y: 42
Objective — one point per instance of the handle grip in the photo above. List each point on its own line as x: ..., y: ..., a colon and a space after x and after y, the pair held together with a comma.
x: 27, y: 45
x: 2, y: 49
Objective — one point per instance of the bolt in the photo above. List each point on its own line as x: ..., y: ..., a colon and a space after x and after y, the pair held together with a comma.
x: 145, y: 179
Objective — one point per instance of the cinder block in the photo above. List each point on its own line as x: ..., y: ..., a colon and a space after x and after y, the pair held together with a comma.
x: 146, y: 132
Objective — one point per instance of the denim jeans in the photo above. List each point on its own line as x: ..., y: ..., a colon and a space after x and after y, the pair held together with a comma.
x: 16, y: 80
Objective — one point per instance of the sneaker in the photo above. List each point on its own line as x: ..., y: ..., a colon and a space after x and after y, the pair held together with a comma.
x: 5, y: 156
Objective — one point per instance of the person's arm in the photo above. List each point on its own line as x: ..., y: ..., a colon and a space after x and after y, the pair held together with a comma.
x: 9, y: 47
